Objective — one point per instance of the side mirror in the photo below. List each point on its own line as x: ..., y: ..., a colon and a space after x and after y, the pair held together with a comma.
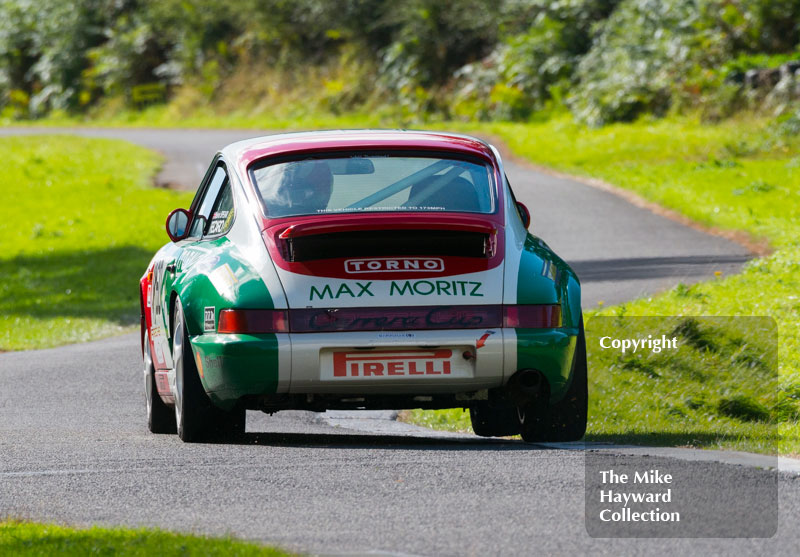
x: 178, y: 224
x: 524, y: 214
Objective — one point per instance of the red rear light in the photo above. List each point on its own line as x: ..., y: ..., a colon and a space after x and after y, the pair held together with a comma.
x: 388, y: 319
x: 532, y: 317
x: 253, y: 321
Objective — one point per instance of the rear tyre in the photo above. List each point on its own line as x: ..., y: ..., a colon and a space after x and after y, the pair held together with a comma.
x: 196, y: 416
x: 494, y: 419
x: 160, y: 417
x: 565, y: 420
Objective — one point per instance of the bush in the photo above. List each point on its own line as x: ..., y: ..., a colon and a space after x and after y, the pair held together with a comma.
x: 612, y: 59
x: 541, y: 47
x: 639, y: 54
x: 433, y: 38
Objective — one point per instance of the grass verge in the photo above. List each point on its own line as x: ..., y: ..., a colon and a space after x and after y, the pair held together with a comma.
x: 27, y: 539
x: 79, y: 222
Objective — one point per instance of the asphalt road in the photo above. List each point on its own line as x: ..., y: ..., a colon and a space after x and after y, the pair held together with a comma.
x: 74, y: 446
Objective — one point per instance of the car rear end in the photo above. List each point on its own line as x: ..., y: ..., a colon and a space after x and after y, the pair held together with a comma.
x: 402, y: 285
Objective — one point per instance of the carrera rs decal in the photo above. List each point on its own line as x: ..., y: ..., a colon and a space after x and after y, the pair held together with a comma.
x: 401, y: 319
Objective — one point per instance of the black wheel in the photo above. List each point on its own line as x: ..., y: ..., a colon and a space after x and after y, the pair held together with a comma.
x: 196, y: 416
x: 565, y: 420
x: 160, y: 417
x: 494, y: 418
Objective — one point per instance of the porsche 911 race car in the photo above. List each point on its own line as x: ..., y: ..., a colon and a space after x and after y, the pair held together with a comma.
x: 360, y: 270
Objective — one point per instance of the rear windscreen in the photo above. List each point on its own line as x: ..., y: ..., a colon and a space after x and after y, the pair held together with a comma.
x: 374, y: 183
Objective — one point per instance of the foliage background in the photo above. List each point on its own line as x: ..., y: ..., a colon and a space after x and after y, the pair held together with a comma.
x: 602, y: 60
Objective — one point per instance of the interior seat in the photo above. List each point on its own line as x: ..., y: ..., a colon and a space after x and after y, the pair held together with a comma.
x: 457, y: 195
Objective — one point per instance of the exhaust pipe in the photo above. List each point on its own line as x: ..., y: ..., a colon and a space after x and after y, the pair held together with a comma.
x: 525, y: 386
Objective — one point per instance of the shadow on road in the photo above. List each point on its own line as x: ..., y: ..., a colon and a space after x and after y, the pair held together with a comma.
x: 694, y: 439
x: 655, y: 267
x: 371, y: 441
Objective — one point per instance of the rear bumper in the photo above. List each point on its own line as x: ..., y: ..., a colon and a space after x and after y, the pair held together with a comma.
x: 549, y: 351
x: 233, y: 366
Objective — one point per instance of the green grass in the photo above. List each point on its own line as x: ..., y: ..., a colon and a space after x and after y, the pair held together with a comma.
x: 27, y: 539
x: 79, y: 223
x: 720, y: 388
x: 290, y: 117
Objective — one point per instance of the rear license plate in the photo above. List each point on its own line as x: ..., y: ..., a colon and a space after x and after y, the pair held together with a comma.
x: 441, y: 362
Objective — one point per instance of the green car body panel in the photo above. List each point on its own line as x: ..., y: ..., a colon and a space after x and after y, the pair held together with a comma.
x: 233, y: 365
x: 544, y: 278
x: 236, y: 365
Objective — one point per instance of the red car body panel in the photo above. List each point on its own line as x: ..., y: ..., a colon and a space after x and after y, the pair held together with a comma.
x: 278, y: 230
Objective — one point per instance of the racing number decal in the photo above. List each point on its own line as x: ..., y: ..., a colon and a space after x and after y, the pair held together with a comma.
x: 209, y: 319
